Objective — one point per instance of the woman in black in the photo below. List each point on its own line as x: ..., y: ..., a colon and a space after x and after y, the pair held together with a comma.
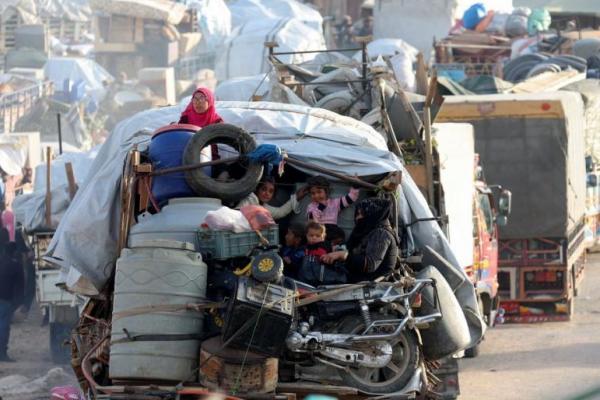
x: 373, y: 244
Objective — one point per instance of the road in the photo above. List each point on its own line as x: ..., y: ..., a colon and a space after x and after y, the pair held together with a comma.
x: 550, y: 361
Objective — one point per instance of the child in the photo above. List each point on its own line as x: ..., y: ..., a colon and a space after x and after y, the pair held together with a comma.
x: 293, y: 251
x: 313, y: 271
x: 336, y: 236
x: 322, y: 209
x: 264, y: 193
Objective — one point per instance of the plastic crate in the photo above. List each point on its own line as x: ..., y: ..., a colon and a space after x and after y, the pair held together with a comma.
x: 221, y: 245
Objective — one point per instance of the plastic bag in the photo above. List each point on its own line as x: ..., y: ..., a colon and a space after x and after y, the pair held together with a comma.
x: 539, y: 21
x: 66, y: 393
x: 516, y: 25
x: 227, y: 219
x: 259, y: 217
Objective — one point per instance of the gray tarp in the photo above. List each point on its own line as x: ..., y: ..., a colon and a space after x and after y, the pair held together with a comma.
x: 540, y: 158
x: 85, y: 241
x: 590, y: 91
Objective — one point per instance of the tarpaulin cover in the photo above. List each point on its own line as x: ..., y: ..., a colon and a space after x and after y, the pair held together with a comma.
x: 244, y: 53
x: 590, y: 92
x: 85, y: 243
x: 30, y: 209
x: 243, y: 11
x: 162, y: 10
x: 214, y: 19
x: 242, y: 89
x: 13, y: 155
x: 539, y: 156
x: 61, y: 69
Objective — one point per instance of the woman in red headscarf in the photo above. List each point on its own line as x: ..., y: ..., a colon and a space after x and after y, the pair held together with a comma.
x: 201, y: 110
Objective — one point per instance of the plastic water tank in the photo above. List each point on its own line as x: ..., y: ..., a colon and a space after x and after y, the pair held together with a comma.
x: 178, y: 220
x: 150, y: 275
x: 166, y: 151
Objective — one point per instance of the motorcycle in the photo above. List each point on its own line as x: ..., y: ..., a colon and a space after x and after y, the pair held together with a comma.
x: 368, y: 332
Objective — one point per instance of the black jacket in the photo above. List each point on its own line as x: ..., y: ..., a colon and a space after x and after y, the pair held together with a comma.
x: 375, y: 256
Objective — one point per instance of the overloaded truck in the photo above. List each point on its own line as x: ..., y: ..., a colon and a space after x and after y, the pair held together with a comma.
x: 533, y: 145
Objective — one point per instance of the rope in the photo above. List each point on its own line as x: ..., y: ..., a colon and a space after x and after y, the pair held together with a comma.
x: 237, y: 382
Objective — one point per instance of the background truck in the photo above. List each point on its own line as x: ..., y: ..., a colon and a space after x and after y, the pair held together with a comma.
x: 533, y: 144
x: 471, y: 215
x: 60, y: 308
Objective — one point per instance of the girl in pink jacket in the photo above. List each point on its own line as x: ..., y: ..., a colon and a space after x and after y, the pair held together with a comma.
x: 322, y: 209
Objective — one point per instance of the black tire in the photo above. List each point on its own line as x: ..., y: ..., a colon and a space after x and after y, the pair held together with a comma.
x: 59, y: 333
x: 472, y: 352
x: 207, y: 186
x: 405, y: 358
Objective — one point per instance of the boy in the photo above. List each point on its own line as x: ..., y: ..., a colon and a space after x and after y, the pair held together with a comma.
x: 293, y: 251
x: 313, y: 271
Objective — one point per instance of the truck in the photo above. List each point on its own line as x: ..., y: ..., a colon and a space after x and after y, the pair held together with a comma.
x: 470, y: 210
x: 533, y: 144
x: 59, y: 307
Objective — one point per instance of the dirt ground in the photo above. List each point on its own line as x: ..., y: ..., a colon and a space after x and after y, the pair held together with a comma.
x: 29, y: 347
x: 550, y: 361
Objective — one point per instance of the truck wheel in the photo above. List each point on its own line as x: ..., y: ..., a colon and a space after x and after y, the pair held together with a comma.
x: 205, y: 185
x: 59, y: 333
x: 574, y: 280
x: 472, y: 352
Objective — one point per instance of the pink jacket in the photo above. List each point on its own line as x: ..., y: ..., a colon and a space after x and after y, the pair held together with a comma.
x: 328, y: 213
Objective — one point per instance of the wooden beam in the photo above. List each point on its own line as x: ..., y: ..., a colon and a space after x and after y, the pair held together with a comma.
x: 48, y: 188
x: 71, y: 180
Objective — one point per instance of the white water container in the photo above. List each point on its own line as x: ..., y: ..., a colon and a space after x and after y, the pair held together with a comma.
x: 178, y: 220
x: 152, y: 279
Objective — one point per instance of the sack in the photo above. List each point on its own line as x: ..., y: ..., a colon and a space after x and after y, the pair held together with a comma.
x: 259, y: 217
x: 315, y: 273
x: 226, y: 219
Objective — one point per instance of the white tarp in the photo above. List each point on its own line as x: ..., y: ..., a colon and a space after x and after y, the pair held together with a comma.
x: 242, y: 89
x: 420, y: 22
x: 61, y: 69
x: 243, y: 11
x: 214, y: 19
x: 244, y: 53
x: 13, y: 155
x: 30, y: 209
x: 85, y: 242
x: 456, y: 149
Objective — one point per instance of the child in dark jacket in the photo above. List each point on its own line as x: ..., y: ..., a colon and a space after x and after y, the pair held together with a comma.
x: 313, y: 271
x: 293, y: 251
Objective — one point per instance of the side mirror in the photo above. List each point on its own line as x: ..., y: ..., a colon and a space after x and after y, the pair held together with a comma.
x: 589, y: 164
x: 504, y: 205
x: 592, y: 180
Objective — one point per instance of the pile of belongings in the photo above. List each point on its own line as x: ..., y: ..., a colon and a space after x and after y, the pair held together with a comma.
x: 521, y: 22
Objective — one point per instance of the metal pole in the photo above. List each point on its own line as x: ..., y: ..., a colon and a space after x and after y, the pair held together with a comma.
x: 365, y: 64
x: 428, y: 153
x: 59, y: 134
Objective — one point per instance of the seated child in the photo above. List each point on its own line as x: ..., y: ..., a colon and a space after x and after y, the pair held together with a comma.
x: 264, y: 193
x: 322, y: 209
x: 293, y: 251
x: 313, y: 271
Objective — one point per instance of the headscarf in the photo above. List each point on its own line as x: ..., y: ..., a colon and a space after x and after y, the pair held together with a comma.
x: 376, y: 212
x: 208, y: 117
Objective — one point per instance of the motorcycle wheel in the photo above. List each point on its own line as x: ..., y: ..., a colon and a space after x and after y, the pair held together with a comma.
x: 394, y: 376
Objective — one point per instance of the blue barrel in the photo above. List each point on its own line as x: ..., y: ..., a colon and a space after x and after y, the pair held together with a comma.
x: 166, y: 151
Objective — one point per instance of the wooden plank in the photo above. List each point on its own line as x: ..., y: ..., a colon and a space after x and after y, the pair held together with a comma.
x: 48, y: 188
x: 115, y: 47
x: 477, y: 110
x: 71, y: 180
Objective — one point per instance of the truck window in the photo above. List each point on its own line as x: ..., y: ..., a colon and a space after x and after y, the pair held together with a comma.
x: 486, y: 208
